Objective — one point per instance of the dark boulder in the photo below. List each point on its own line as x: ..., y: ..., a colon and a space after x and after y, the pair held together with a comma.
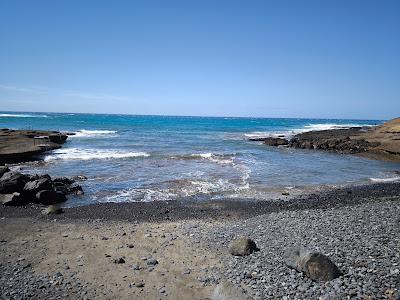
x: 33, y: 187
x: 64, y: 180
x: 12, y: 182
x: 49, y: 197
x: 315, y: 265
x: 74, y: 189
x: 3, y: 170
x: 14, y: 199
x: 242, y: 246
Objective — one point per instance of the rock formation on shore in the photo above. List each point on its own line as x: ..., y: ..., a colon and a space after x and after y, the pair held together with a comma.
x: 18, y: 189
x: 24, y: 145
x: 380, y: 142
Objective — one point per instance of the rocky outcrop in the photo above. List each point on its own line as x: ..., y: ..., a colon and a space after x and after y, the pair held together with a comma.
x: 332, y: 140
x: 315, y: 265
x: 380, y: 142
x: 275, y: 141
x: 25, y: 145
x: 242, y: 246
x: 18, y: 189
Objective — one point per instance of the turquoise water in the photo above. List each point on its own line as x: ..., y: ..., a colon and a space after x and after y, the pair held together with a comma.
x: 147, y: 158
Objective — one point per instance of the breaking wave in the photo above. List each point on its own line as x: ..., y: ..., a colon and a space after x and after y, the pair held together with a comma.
x: 89, y: 154
x: 94, y: 133
x: 310, y: 127
x: 392, y: 179
x: 22, y: 116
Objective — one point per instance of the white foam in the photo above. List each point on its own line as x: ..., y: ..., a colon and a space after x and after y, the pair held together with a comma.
x: 392, y: 179
x: 186, y: 188
x: 89, y: 154
x: 94, y: 133
x: 217, y: 158
x: 310, y: 127
x: 21, y: 116
x: 267, y: 134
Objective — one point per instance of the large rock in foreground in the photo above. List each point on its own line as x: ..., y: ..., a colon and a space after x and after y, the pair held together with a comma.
x: 315, y: 265
x: 12, y: 182
x: 20, y: 189
x: 242, y: 246
x: 35, y: 186
x: 14, y: 199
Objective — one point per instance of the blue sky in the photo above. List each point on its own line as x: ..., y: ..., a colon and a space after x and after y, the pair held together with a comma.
x: 327, y: 59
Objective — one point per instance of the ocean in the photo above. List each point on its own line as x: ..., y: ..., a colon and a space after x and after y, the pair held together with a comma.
x: 147, y: 158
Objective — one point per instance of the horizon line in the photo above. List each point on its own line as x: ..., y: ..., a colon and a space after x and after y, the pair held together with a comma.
x: 191, y: 116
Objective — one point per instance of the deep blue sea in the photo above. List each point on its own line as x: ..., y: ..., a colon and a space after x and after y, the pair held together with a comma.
x: 147, y: 158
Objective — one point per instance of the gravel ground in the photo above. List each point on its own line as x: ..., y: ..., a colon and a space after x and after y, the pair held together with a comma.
x: 19, y: 281
x: 357, y: 227
x: 363, y: 240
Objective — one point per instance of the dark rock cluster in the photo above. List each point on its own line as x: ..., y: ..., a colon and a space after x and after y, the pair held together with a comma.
x: 17, y: 189
x: 346, y: 145
x: 347, y: 141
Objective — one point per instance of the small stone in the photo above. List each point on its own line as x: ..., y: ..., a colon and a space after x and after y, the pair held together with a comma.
x: 119, y: 261
x: 152, y: 261
x: 52, y: 209
x: 139, y: 284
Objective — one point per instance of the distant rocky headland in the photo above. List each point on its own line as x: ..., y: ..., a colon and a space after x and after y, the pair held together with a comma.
x: 25, y: 145
x: 380, y: 142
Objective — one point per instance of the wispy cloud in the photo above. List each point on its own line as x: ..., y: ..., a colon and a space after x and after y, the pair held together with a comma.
x: 12, y: 88
x: 70, y: 94
x: 91, y: 96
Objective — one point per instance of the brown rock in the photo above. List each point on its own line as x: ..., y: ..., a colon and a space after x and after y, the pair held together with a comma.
x: 242, y: 246
x: 315, y: 265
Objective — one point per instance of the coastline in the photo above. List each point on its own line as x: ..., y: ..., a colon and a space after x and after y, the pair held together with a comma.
x: 380, y: 142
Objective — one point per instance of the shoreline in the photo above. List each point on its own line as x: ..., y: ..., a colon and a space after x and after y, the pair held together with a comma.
x: 226, y: 209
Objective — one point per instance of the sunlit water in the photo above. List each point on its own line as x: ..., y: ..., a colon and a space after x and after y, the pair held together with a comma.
x: 146, y: 158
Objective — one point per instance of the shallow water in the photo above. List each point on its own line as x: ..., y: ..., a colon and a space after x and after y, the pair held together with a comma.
x: 146, y: 158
